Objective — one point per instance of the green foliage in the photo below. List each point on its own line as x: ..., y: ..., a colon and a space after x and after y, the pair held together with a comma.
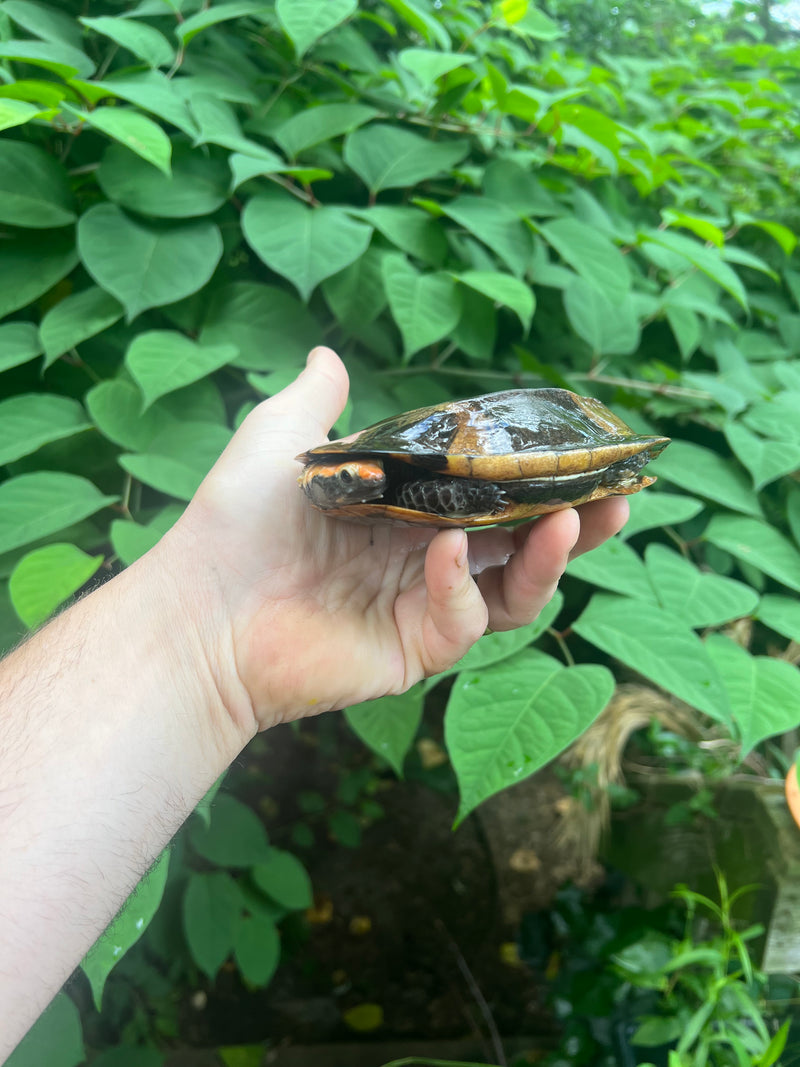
x: 677, y: 982
x: 460, y: 197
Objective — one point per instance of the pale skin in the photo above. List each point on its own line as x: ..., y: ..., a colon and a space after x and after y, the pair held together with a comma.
x: 254, y: 609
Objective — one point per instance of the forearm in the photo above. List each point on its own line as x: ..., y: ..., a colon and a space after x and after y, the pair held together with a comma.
x: 111, y: 730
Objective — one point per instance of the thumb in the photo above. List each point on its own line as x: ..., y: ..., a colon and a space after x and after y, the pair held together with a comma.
x: 313, y: 402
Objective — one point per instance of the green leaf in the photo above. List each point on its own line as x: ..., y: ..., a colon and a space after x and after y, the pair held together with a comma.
x: 178, y: 457
x: 211, y: 915
x: 699, y: 599
x: 410, y: 229
x: 426, y: 307
x: 616, y: 566
x: 356, y: 295
x: 257, y: 951
x: 387, y: 157
x: 503, y: 289
x: 126, y: 929
x: 766, y: 460
x: 130, y: 540
x: 272, y: 330
x: 60, y: 58
x: 537, y: 708
x: 702, y: 228
x: 32, y: 264
x: 19, y: 343
x: 34, y: 187
x: 303, y: 244
x: 116, y: 408
x: 685, y: 326
x: 707, y: 260
x: 495, y: 647
x: 211, y: 16
x: 609, y: 328
x: 658, y: 646
x: 43, y: 21
x: 591, y: 255
x: 652, y: 510
x: 36, y: 505
x: 161, y: 361
x: 284, y: 878
x: 145, y: 265
x: 234, y: 837
x: 305, y: 21
x: 31, y: 420
x: 764, y: 691
x: 428, y: 65
x: 534, y: 23
x: 497, y: 226
x: 137, y: 132
x: 149, y: 90
x: 76, y: 318
x: 198, y: 184
x: 219, y: 124
x: 781, y: 234
x: 17, y: 112
x: 244, y: 167
x: 314, y: 125
x: 142, y: 40
x: 757, y: 544
x: 388, y: 725
x: 782, y: 614
x: 56, y: 1039
x: 421, y: 20
x: 704, y: 472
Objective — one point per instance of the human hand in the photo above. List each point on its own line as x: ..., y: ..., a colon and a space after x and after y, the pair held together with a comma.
x: 299, y: 612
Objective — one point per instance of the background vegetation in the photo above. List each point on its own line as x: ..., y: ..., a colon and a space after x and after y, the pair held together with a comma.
x: 460, y: 197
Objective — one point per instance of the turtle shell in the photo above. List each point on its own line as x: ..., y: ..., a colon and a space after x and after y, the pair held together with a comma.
x: 495, y: 458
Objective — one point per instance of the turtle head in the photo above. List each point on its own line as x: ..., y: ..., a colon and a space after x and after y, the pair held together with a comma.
x: 332, y: 485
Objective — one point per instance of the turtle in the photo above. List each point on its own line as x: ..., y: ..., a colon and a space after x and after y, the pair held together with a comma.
x: 497, y: 458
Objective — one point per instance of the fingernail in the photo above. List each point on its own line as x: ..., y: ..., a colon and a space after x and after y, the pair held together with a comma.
x: 312, y: 356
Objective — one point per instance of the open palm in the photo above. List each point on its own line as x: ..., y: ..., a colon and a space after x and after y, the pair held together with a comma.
x: 324, y: 613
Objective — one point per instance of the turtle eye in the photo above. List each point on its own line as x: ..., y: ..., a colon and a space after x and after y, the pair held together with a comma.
x: 346, y: 476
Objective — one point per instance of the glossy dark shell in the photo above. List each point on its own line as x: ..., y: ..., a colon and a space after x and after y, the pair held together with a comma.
x: 540, y: 439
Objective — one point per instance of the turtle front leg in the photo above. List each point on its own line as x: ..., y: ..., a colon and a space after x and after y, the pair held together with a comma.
x: 452, y: 497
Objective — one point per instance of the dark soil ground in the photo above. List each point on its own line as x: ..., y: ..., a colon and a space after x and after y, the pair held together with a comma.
x: 418, y: 921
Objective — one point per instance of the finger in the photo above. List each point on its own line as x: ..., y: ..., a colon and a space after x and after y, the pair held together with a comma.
x: 455, y: 614
x: 600, y: 520
x: 516, y: 593
x: 303, y: 413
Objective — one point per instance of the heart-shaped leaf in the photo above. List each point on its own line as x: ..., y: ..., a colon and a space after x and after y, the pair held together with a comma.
x: 126, y: 929
x: 303, y: 244
x: 426, y: 307
x: 145, y: 265
x: 305, y: 21
x: 42, y: 503
x: 164, y: 360
x: 388, y: 157
x: 388, y: 725
x: 44, y: 578
x: 700, y: 599
x: 766, y: 460
x: 34, y: 187
x: 758, y: 544
x: 657, y: 645
x: 537, y: 706
x: 764, y: 691
x: 31, y: 420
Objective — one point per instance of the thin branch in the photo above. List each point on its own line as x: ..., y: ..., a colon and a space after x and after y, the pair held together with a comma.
x: 478, y: 996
